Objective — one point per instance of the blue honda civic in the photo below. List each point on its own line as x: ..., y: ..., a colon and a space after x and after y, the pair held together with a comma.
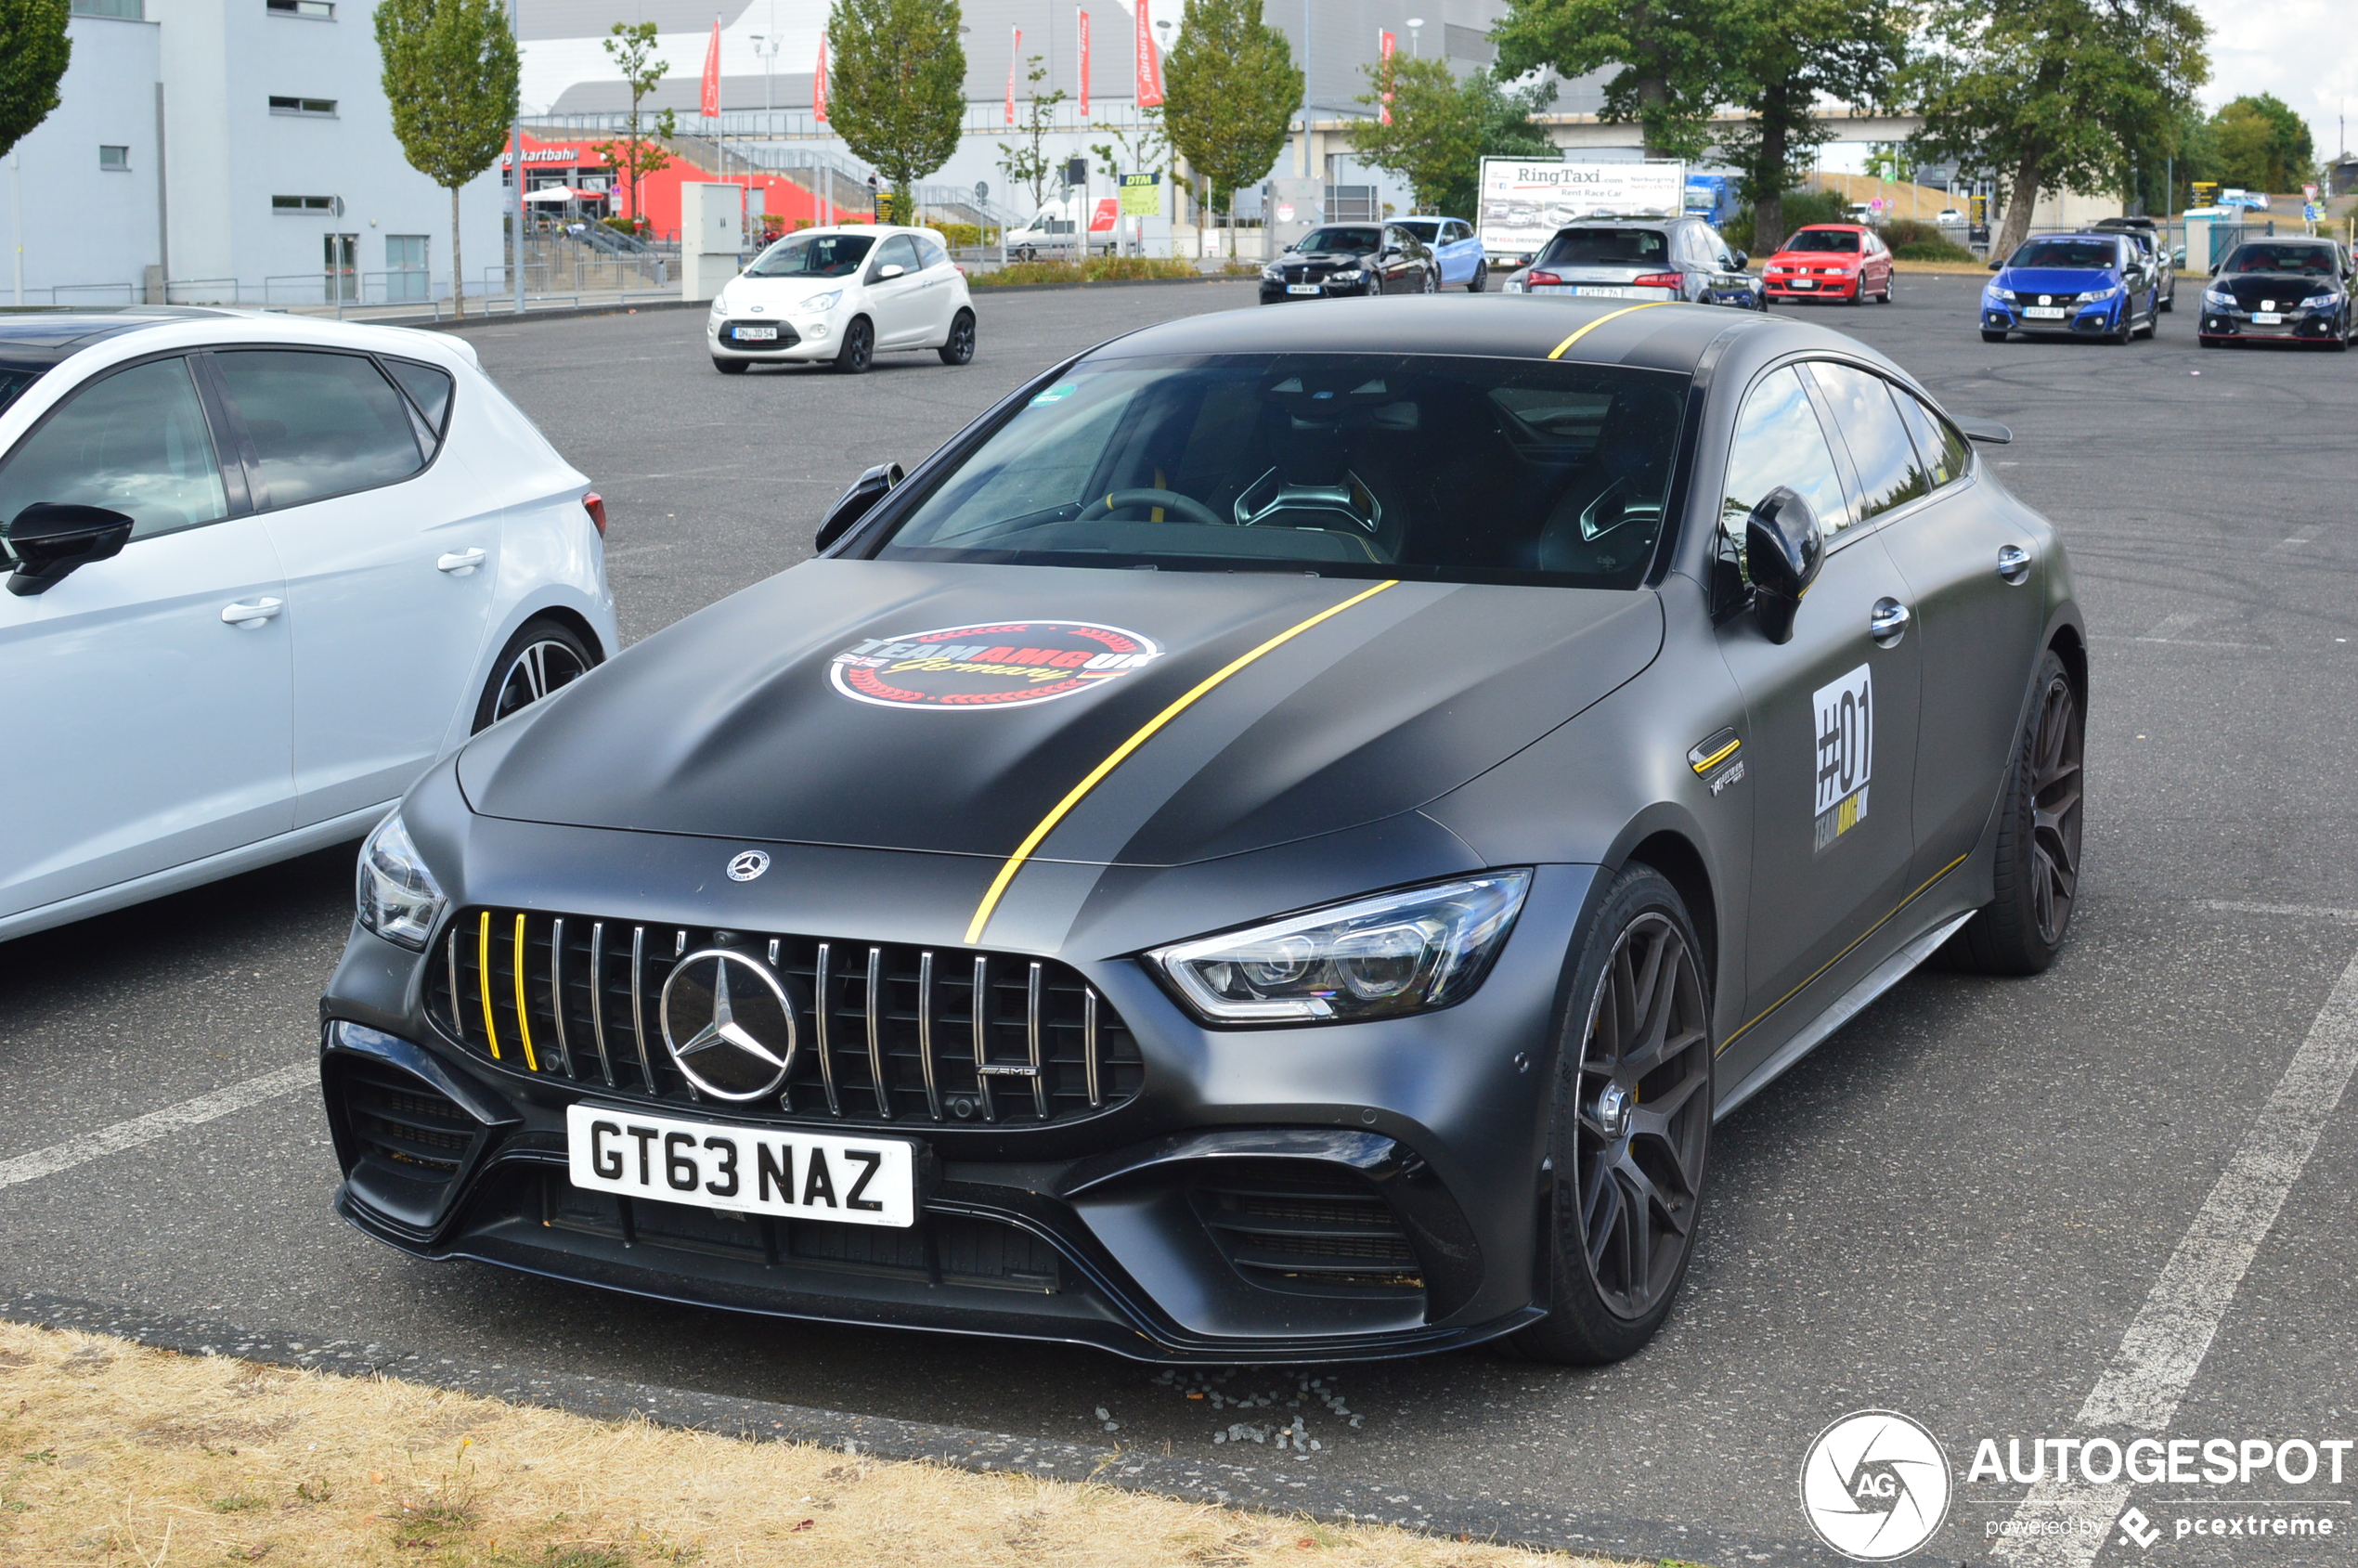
x: 2071, y: 285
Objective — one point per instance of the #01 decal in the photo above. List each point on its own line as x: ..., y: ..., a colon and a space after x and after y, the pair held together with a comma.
x: 1002, y: 664
x: 1845, y: 753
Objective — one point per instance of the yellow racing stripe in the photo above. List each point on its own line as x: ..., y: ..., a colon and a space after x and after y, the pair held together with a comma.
x: 1839, y: 956
x: 524, y: 1014
x: 1146, y: 733
x: 483, y: 978
x: 1557, y: 352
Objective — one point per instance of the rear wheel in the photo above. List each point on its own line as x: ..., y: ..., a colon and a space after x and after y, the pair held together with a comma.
x: 960, y: 348
x: 1631, y: 1129
x: 858, y: 350
x: 1431, y: 283
x: 730, y: 367
x: 543, y: 656
x: 2037, y: 875
x: 1479, y: 282
x: 1888, y: 280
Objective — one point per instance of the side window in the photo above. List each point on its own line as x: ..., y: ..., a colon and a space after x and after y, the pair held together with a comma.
x: 135, y: 443
x: 929, y: 253
x: 428, y: 388
x: 1456, y: 232
x: 1944, y: 451
x: 1885, y: 458
x: 895, y: 251
x: 1778, y: 441
x: 322, y: 424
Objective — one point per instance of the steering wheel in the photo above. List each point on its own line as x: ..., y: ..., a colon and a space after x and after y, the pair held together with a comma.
x: 1188, y: 507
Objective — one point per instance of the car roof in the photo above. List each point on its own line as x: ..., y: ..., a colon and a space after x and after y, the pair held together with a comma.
x: 44, y: 337
x: 1836, y: 228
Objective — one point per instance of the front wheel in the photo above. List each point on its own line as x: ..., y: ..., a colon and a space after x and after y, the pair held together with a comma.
x: 1630, y: 1132
x: 858, y: 350
x: 729, y: 367
x: 960, y: 348
x: 1988, y: 336
x: 1430, y: 283
x: 2036, y: 873
x: 543, y: 656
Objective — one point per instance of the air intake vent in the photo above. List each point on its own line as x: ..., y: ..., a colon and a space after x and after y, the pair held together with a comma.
x: 407, y: 1123
x: 1289, y: 1226
x: 883, y: 1033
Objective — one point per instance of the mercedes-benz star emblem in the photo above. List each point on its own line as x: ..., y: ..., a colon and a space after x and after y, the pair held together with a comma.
x: 727, y: 1024
x: 746, y: 867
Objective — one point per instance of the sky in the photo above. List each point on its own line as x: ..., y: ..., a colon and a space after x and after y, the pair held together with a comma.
x: 2304, y: 51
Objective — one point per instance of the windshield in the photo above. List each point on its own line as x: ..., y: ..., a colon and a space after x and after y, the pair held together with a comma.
x: 2070, y: 256
x: 1606, y: 247
x: 1839, y: 240
x: 14, y: 378
x: 1425, y: 230
x: 813, y: 255
x: 1376, y: 465
x: 2314, y: 261
x: 1357, y: 241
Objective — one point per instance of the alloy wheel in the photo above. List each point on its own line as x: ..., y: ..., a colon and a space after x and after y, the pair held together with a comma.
x: 1432, y: 281
x: 1644, y: 1116
x: 537, y: 670
x: 2055, y: 810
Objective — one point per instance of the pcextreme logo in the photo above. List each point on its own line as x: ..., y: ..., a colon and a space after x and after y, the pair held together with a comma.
x: 1875, y: 1485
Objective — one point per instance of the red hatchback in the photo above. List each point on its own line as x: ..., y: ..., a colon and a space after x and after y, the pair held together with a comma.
x: 1842, y: 260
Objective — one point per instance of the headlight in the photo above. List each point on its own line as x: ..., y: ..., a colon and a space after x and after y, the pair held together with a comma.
x: 1273, y: 272
x: 2002, y: 296
x: 399, y: 898
x: 1345, y: 275
x: 2219, y: 299
x: 827, y: 301
x: 1372, y: 958
x: 2098, y: 296
x: 2320, y: 302
x: 720, y: 304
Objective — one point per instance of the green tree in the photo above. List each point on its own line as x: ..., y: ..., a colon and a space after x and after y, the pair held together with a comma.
x: 1026, y: 161
x: 1790, y: 54
x: 1230, y: 89
x: 34, y: 52
x: 1674, y: 59
x: 450, y: 77
x: 632, y: 48
x: 1442, y: 128
x: 897, y: 85
x: 2050, y: 95
x: 2264, y: 145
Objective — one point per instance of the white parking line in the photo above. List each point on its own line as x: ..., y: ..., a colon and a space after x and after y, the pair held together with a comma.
x: 2165, y: 1341
x: 2298, y: 912
x: 155, y: 1124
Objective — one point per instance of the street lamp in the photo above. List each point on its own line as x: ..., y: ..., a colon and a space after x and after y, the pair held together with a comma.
x: 767, y: 48
x: 1416, y: 25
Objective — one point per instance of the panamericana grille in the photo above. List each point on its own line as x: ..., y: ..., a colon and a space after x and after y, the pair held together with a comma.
x: 883, y: 1032
x: 1281, y: 1225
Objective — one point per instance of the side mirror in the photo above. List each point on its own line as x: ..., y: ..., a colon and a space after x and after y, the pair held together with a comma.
x: 856, y: 502
x: 893, y: 269
x: 1995, y: 264
x: 1743, y: 259
x: 51, y: 539
x: 1785, y: 547
x: 1990, y: 432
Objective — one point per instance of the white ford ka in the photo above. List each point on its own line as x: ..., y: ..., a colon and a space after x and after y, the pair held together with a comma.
x: 261, y: 572
x: 841, y: 296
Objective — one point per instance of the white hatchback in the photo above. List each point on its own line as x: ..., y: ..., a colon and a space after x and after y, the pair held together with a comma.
x: 262, y: 571
x: 842, y: 296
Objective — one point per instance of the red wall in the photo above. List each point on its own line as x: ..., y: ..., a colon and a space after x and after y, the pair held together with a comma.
x: 659, y: 192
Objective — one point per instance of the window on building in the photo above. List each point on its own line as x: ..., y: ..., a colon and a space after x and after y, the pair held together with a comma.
x: 123, y: 10
x: 303, y: 203
x: 318, y: 10
x: 117, y: 158
x: 320, y: 109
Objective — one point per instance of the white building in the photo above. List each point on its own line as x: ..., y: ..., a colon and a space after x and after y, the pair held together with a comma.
x: 240, y: 150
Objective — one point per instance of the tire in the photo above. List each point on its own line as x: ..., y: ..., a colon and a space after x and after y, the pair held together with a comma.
x: 2169, y: 304
x: 1431, y: 281
x: 731, y: 366
x: 2037, y: 875
x: 1480, y: 282
x: 960, y: 349
x: 543, y: 656
x: 1889, y: 278
x: 1988, y: 336
x: 1628, y: 1182
x: 2207, y: 343
x: 858, y: 350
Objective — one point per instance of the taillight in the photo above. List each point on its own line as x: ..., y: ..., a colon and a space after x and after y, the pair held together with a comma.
x: 1658, y: 280
x: 595, y: 505
x: 1541, y: 277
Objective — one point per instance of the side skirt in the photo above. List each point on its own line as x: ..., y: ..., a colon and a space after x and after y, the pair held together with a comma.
x: 1889, y: 973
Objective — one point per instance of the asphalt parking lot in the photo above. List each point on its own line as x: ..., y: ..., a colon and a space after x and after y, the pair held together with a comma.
x: 1954, y: 1208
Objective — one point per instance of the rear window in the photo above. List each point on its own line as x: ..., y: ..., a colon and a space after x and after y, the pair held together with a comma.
x: 1606, y: 247
x: 1431, y: 467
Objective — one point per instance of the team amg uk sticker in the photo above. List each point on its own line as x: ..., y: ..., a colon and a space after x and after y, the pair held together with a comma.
x: 1001, y: 663
x: 1845, y: 754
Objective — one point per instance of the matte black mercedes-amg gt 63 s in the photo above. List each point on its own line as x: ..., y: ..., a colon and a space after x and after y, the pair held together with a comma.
x: 1275, y: 843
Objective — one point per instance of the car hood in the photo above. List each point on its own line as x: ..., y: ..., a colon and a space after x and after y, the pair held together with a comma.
x: 742, y: 723
x: 2289, y: 287
x: 1325, y: 258
x: 2055, y: 279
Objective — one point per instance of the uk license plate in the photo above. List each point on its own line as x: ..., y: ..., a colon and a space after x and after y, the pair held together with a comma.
x: 2267, y: 318
x: 2043, y: 312
x: 756, y: 335
x: 1301, y: 288
x: 746, y: 1170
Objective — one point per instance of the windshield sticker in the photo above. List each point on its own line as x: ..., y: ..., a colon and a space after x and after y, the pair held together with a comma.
x: 1845, y: 754
x: 1004, y: 664
x: 1057, y: 394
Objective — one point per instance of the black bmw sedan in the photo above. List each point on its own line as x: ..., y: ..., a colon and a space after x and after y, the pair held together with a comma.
x: 1342, y: 261
x: 1277, y: 842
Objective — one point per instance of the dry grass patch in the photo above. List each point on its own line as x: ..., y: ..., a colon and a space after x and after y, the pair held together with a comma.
x: 112, y: 1455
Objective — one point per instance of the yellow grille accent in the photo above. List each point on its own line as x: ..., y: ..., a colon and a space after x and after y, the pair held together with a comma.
x: 482, y: 982
x: 524, y: 1014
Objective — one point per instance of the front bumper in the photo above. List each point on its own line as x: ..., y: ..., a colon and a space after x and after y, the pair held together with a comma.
x: 1281, y: 294
x: 815, y: 337
x: 2089, y: 321
x: 2311, y: 326
x: 1117, y: 1228
x: 1818, y: 289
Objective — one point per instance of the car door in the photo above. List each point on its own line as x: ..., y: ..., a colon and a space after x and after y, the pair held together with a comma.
x: 897, y: 305
x: 940, y: 290
x: 149, y: 704
x: 1454, y: 253
x: 390, y: 563
x: 1830, y: 747
x: 1982, y: 616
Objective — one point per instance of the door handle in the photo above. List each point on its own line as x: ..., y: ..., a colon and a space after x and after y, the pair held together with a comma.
x: 248, y: 616
x: 1888, y: 623
x: 461, y: 561
x: 2013, y: 563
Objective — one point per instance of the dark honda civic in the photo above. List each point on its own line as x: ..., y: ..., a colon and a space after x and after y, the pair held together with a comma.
x: 2296, y: 289
x: 1342, y: 261
x: 1275, y: 843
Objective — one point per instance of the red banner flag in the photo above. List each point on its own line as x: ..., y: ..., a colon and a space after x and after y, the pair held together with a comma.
x: 1084, y: 62
x: 819, y: 83
x: 1011, y: 76
x: 712, y: 104
x: 1384, y: 42
x: 1149, y: 67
